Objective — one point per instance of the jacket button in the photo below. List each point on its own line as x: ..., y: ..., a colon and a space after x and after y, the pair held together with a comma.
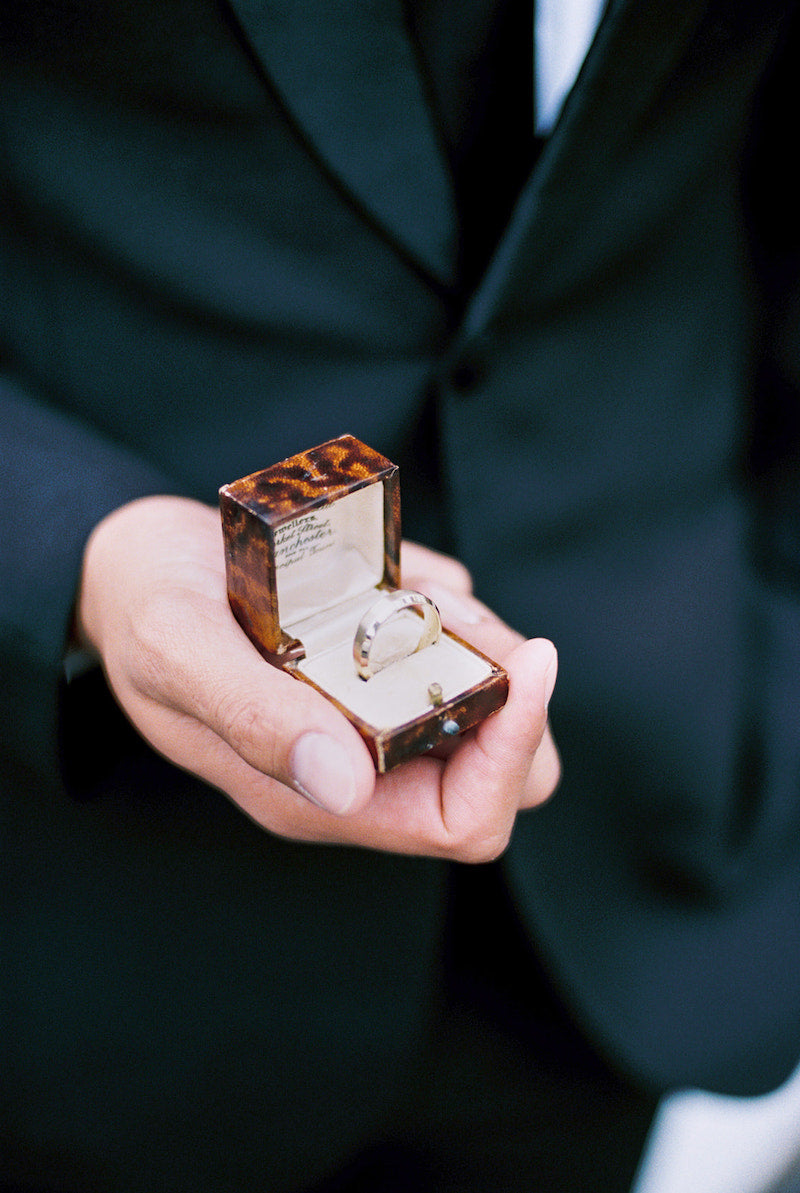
x: 468, y: 372
x: 469, y: 369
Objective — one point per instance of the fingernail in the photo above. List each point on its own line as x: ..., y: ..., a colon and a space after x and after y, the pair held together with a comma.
x: 323, y: 773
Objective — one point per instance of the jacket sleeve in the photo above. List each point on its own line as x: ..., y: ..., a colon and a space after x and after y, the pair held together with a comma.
x: 772, y: 198
x: 59, y: 479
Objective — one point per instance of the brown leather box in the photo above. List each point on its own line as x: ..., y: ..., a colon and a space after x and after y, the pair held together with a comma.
x: 312, y: 549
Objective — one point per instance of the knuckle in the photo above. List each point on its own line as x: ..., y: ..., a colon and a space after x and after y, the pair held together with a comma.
x: 554, y: 780
x: 423, y: 564
x: 242, y: 723
x: 484, y: 845
x: 460, y: 577
x: 544, y: 777
x: 149, y: 646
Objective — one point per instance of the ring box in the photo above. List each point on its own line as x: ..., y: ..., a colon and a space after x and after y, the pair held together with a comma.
x: 311, y: 544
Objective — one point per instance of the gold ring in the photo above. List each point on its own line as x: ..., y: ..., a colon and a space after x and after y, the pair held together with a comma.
x: 382, y: 611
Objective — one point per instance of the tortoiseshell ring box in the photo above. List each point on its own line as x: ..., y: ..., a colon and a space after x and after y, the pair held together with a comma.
x: 312, y: 547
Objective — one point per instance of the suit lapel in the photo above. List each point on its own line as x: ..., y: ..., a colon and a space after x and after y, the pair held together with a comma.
x: 636, y: 45
x: 633, y: 54
x: 347, y: 75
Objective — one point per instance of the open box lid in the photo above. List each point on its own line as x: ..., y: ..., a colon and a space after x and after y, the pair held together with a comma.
x: 312, y: 549
x: 306, y: 535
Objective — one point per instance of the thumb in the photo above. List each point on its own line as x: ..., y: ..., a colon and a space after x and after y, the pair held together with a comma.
x: 275, y: 725
x: 200, y: 669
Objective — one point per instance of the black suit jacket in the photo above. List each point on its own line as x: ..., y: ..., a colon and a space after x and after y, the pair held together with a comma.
x: 229, y: 234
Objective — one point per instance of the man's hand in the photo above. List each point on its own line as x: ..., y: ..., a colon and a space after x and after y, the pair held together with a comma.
x: 153, y: 605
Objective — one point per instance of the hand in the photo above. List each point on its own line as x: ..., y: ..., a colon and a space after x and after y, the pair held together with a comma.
x: 153, y: 605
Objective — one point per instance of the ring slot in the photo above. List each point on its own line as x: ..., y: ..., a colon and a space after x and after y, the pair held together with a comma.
x: 388, y: 605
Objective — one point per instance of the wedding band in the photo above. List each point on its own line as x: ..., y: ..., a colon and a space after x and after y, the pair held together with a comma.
x: 382, y: 611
